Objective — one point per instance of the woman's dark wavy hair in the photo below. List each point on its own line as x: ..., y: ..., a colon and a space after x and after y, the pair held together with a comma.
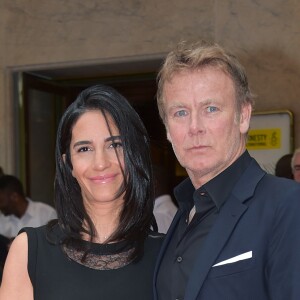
x: 136, y: 216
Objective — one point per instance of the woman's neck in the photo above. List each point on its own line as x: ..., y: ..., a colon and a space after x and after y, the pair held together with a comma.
x: 105, y: 217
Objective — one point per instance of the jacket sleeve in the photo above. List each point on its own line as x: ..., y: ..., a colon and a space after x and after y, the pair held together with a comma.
x: 283, y: 265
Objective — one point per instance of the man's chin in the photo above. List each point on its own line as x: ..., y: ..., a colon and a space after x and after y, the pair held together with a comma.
x: 196, y: 167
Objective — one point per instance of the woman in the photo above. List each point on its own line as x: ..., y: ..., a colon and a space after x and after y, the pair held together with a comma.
x: 101, y: 246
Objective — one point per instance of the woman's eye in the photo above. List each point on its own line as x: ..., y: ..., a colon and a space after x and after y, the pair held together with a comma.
x: 116, y: 145
x: 181, y: 113
x: 84, y: 149
x: 212, y: 109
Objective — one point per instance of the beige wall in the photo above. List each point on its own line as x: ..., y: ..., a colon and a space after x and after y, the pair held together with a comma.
x: 265, y: 36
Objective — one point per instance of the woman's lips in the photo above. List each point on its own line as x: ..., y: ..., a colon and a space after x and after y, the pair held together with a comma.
x: 103, y: 178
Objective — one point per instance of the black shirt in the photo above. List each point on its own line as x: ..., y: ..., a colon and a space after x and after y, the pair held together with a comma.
x: 188, y: 238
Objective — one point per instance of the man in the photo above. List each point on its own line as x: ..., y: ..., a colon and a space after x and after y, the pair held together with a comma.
x: 17, y: 211
x: 236, y: 234
x: 296, y: 164
x: 4, y: 244
x: 283, y: 166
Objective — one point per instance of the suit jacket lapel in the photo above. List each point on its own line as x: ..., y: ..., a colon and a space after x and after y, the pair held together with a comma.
x: 229, y: 216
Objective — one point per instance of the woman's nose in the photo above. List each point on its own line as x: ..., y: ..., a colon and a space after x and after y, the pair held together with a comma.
x: 101, y: 160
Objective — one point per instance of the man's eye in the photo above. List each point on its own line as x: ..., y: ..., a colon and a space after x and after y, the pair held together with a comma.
x: 181, y: 113
x: 212, y: 109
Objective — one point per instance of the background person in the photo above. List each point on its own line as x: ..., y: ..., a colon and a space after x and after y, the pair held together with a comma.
x: 101, y: 246
x: 164, y: 207
x: 237, y: 231
x: 4, y: 244
x: 295, y: 163
x: 283, y: 167
x: 17, y: 210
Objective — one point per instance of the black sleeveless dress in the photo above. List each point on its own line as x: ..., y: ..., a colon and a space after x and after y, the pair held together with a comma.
x: 58, y: 274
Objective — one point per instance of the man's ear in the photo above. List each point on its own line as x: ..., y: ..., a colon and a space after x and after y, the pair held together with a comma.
x: 168, y: 133
x: 168, y: 136
x: 245, y: 117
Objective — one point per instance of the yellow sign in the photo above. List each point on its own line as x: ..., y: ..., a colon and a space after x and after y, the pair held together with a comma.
x: 264, y: 139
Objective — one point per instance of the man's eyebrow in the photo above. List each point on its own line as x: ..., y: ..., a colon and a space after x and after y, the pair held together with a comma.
x: 177, y: 104
x: 203, y: 103
x: 209, y: 101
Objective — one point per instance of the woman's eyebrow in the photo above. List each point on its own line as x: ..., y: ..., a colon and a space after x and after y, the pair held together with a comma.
x: 109, y: 139
x: 113, y: 138
x: 81, y: 143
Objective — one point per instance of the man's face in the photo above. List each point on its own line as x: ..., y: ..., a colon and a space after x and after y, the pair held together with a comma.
x: 5, y: 203
x: 202, y: 123
x: 296, y: 168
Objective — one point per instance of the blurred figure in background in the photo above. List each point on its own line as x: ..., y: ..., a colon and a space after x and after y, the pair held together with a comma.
x: 164, y: 207
x: 18, y: 211
x: 283, y: 167
x: 296, y: 164
x: 1, y: 171
x: 4, y: 244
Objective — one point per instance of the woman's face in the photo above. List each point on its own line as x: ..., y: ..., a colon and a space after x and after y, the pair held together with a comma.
x: 95, y: 163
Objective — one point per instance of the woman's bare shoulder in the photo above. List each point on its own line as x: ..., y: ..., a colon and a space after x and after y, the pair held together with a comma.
x: 16, y: 283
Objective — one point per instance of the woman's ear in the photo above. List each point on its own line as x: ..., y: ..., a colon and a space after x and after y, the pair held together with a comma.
x: 64, y: 159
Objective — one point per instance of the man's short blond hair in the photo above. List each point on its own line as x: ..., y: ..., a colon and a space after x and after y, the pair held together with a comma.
x: 197, y: 55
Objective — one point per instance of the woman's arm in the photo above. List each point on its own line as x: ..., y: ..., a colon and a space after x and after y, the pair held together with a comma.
x: 16, y: 283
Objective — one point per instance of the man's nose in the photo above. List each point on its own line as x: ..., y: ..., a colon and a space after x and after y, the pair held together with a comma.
x: 196, y: 125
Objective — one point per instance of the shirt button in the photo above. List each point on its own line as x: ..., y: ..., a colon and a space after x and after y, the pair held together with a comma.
x: 179, y: 259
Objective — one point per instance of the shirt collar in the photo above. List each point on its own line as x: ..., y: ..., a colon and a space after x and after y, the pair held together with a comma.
x: 220, y: 187
x: 184, y: 194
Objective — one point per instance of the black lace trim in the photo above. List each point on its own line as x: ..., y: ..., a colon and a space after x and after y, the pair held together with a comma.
x: 98, y: 261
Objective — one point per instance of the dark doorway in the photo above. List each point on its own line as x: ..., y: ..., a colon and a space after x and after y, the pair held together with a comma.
x: 44, y: 100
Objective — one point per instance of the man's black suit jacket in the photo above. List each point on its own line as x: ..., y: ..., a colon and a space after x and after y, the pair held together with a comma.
x: 259, y: 227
